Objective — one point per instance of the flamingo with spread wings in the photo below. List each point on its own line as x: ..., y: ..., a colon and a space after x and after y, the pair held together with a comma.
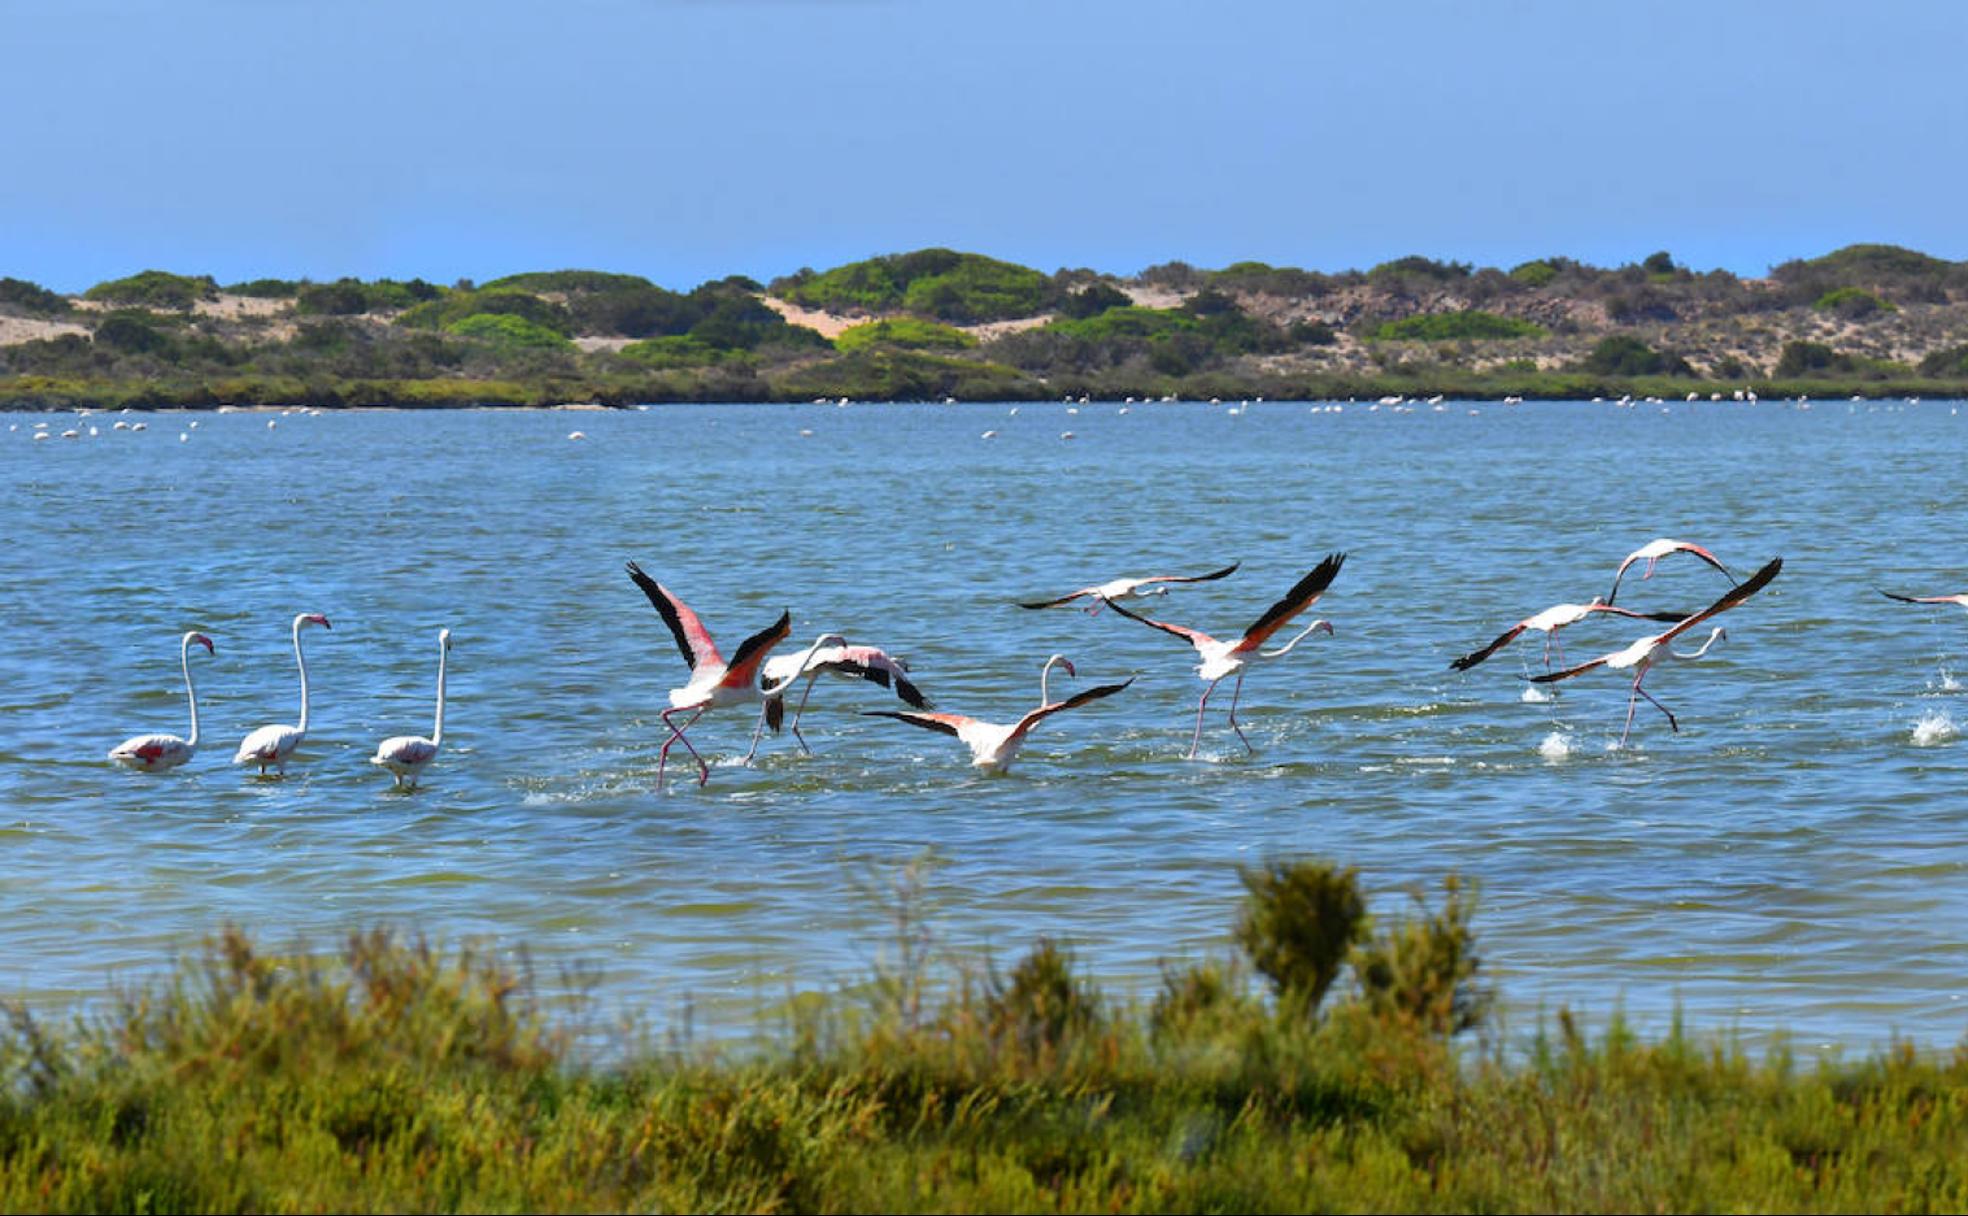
x: 1651, y: 651
x: 993, y: 745
x: 1549, y: 622
x: 1961, y: 599
x: 1653, y: 551
x: 870, y: 663
x: 1222, y: 658
x: 1132, y: 588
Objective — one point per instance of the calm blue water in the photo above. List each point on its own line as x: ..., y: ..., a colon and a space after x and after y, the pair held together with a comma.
x: 1796, y: 857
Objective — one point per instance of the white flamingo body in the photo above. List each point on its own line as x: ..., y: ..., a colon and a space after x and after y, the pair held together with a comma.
x: 407, y: 756
x: 160, y: 752
x: 1549, y: 622
x: 1646, y: 653
x: 1131, y: 588
x: 271, y: 746
x: 1653, y: 551
x: 1221, y: 658
x: 870, y: 663
x: 994, y: 745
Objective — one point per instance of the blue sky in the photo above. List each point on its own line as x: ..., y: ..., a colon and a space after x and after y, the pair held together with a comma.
x: 686, y: 139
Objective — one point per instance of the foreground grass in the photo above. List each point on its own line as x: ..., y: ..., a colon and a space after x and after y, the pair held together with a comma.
x: 395, y: 1077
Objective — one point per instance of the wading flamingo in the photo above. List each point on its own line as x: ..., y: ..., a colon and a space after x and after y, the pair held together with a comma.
x: 407, y: 756
x: 1131, y: 588
x: 273, y: 744
x: 868, y: 663
x: 1653, y: 650
x: 1653, y: 551
x: 993, y: 746
x: 1550, y: 621
x: 156, y: 753
x: 1961, y: 599
x: 713, y: 681
x: 1224, y: 658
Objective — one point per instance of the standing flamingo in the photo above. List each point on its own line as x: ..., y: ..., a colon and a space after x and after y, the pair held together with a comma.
x: 274, y: 744
x: 994, y: 746
x: 1550, y: 621
x: 1961, y: 599
x: 1131, y: 588
x: 407, y: 756
x: 1653, y: 551
x: 868, y: 663
x: 1648, y: 652
x: 1223, y: 658
x: 157, y: 753
x: 713, y: 681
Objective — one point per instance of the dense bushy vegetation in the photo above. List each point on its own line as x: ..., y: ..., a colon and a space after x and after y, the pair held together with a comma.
x: 155, y: 289
x: 32, y: 299
x: 393, y: 1076
x: 906, y: 332
x: 940, y: 284
x: 1471, y: 324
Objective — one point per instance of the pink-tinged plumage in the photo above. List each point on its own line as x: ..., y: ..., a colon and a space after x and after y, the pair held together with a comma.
x: 271, y: 746
x: 1653, y: 551
x: 1549, y: 622
x: 407, y: 756
x: 160, y: 752
x: 1131, y: 588
x: 1222, y: 658
x: 1960, y: 600
x: 994, y: 745
x: 1646, y: 653
x: 849, y: 662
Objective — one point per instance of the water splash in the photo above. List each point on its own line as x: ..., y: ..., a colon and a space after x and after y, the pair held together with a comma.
x: 1934, y: 728
x: 1556, y: 746
x: 1533, y: 695
x: 1947, y: 682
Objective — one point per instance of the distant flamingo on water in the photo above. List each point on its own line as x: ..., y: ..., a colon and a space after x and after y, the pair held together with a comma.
x: 1653, y: 551
x: 157, y: 753
x: 1132, y: 588
x: 1648, y: 652
x: 1225, y: 658
x: 272, y: 745
x: 1550, y: 621
x: 992, y: 745
x: 1961, y: 599
x: 407, y: 756
x: 713, y: 681
x: 870, y: 663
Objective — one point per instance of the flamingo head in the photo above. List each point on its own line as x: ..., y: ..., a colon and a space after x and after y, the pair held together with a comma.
x: 315, y: 618
x: 443, y: 637
x: 202, y: 640
x: 1321, y: 626
x: 1060, y: 660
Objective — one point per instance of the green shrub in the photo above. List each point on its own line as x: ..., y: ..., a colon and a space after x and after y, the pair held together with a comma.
x: 1535, y: 273
x: 1092, y: 300
x: 1853, y: 303
x: 1951, y: 363
x: 1415, y: 266
x: 906, y: 332
x: 156, y: 289
x: 508, y: 331
x: 1421, y: 973
x: 572, y: 281
x: 1042, y: 1003
x: 938, y: 283
x: 1298, y: 924
x: 674, y: 351
x: 31, y: 298
x: 1470, y: 324
x: 266, y: 289
x: 1626, y: 355
x: 444, y: 312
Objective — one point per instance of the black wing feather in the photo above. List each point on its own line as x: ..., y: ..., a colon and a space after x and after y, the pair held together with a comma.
x: 1306, y: 589
x: 665, y: 610
x: 947, y: 728
x: 764, y: 639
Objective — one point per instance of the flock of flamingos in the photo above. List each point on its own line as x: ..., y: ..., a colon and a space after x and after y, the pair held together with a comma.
x: 750, y: 677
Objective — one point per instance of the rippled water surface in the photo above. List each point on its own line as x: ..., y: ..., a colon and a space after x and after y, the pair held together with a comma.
x: 1795, y: 857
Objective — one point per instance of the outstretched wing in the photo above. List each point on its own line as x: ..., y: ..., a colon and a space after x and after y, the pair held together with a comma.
x: 877, y: 667
x: 1666, y: 618
x: 1474, y: 657
x: 1195, y: 637
x: 1928, y: 599
x: 691, y: 637
x: 949, y: 724
x: 1073, y: 702
x: 1678, y: 546
x: 1064, y: 599
x: 1302, y: 596
x: 1730, y: 599
x: 752, y: 651
x: 1226, y: 572
x: 1552, y: 677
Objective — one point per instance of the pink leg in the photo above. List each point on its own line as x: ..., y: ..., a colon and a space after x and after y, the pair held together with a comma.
x: 676, y: 733
x: 1672, y: 724
x: 1237, y: 690
x: 810, y: 680
x: 1200, y: 706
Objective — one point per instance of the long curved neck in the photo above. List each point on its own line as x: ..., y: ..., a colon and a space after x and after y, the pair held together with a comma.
x: 191, y: 693
x: 301, y: 660
x: 1284, y: 650
x: 437, y: 731
x: 1713, y: 637
x: 807, y: 662
x: 1045, y: 676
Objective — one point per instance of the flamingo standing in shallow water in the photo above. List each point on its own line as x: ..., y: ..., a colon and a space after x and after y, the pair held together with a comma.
x: 407, y: 756
x: 713, y: 681
x: 1225, y: 658
x: 993, y: 746
x: 157, y: 753
x: 272, y: 745
x: 1648, y: 652
x: 869, y: 663
x: 1550, y: 621
x: 1653, y: 551
x: 1131, y: 588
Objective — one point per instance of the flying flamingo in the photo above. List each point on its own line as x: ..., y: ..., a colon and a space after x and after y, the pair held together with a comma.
x: 1961, y: 599
x: 868, y: 663
x: 1653, y: 551
x: 1645, y: 654
x: 713, y: 681
x: 1550, y: 621
x: 1131, y: 588
x: 993, y: 746
x: 407, y: 756
x: 1223, y: 658
x: 274, y: 744
x: 157, y: 753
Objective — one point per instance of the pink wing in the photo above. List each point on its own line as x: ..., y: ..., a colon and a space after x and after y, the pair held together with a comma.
x: 691, y: 637
x: 1303, y: 595
x: 1195, y: 637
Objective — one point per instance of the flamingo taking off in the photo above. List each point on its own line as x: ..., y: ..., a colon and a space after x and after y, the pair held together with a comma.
x: 1653, y: 551
x: 1961, y: 599
x: 1224, y: 658
x: 713, y: 681
x: 992, y: 745
x: 869, y: 663
x: 1549, y: 622
x: 1646, y: 653
x: 1131, y: 588
x: 157, y: 753
x: 272, y: 745
x: 407, y: 756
